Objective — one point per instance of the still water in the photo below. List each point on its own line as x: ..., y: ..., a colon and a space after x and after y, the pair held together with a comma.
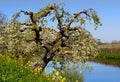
x: 100, y: 73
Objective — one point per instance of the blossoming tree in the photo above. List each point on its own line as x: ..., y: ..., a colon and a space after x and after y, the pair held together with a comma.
x: 36, y: 39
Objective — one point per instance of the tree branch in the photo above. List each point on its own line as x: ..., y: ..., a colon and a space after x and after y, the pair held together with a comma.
x: 76, y: 15
x: 30, y: 14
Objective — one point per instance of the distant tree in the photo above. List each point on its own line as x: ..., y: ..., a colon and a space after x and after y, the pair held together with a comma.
x: 115, y: 42
x: 99, y: 41
x: 65, y: 43
x: 3, y: 21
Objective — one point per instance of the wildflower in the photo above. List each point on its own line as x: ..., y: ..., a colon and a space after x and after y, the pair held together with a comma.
x: 53, y: 78
x: 57, y: 73
x: 61, y: 77
x: 35, y: 70
x: 39, y: 62
x: 28, y: 62
x: 39, y: 69
x: 63, y: 80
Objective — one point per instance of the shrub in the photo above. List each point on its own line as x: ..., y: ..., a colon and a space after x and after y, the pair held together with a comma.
x: 13, y: 71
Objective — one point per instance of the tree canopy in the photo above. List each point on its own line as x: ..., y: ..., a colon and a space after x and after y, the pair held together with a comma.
x: 66, y: 42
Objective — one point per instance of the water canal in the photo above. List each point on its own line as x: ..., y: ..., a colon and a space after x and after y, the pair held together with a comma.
x: 100, y: 73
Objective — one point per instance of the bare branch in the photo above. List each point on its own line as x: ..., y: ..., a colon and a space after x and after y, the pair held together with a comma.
x: 30, y: 14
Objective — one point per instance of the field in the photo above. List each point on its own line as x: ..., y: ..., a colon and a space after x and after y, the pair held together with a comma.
x: 108, y: 54
x: 110, y: 48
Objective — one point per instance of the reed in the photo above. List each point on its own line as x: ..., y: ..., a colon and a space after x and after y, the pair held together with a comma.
x: 110, y: 48
x: 108, y: 54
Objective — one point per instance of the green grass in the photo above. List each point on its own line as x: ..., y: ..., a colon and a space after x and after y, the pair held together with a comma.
x: 109, y: 55
x: 108, y: 58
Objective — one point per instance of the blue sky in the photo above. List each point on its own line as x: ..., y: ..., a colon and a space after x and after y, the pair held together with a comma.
x: 108, y: 11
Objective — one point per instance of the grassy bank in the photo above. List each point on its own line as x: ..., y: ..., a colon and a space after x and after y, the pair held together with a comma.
x: 108, y: 54
x: 107, y: 58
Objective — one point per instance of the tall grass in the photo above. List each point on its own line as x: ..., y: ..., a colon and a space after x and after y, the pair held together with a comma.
x: 73, y: 76
x: 110, y: 48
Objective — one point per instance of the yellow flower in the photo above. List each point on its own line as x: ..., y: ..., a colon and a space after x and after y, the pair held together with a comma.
x: 57, y: 73
x: 53, y: 78
x: 61, y: 77
x: 28, y: 62
x: 35, y: 70
x: 63, y: 80
x: 39, y: 69
x: 39, y: 62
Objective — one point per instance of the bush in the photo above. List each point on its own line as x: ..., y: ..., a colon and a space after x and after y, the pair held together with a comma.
x: 13, y: 71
